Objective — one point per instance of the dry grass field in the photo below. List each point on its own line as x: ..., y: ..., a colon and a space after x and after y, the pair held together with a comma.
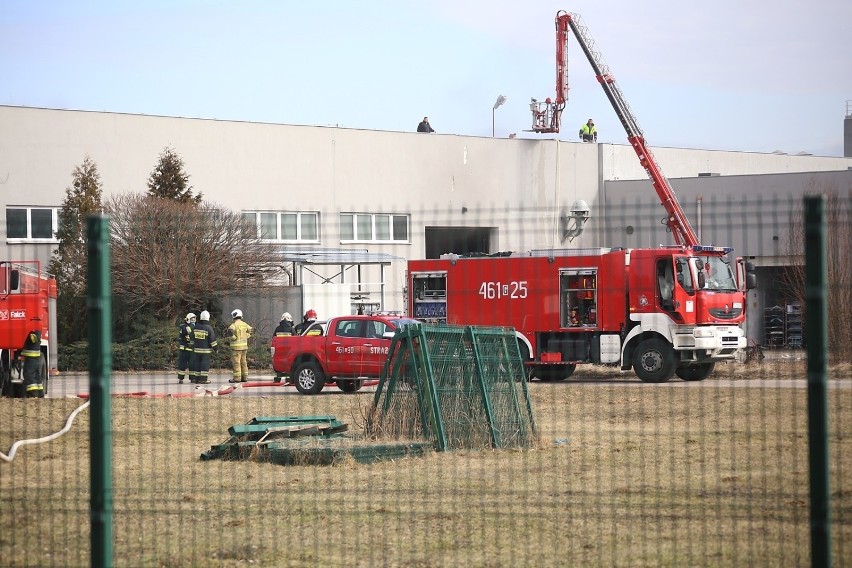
x: 623, y: 474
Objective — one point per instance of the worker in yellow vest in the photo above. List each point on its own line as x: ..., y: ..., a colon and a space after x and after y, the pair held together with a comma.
x: 588, y: 132
x: 239, y: 334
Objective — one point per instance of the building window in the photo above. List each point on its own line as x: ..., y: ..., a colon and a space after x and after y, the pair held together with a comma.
x: 282, y: 226
x: 34, y: 224
x: 374, y: 228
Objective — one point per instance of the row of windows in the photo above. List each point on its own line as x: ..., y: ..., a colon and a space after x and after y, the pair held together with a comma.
x: 354, y: 227
x: 40, y: 224
x: 37, y: 224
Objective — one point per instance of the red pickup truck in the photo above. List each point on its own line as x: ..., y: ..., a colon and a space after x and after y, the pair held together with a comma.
x: 344, y: 350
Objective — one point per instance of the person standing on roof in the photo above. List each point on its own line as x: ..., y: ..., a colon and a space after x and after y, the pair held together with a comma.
x: 424, y: 126
x: 284, y: 329
x: 588, y: 132
x: 31, y: 353
x: 185, y: 347
x: 239, y: 334
x: 203, y: 343
x: 310, y: 317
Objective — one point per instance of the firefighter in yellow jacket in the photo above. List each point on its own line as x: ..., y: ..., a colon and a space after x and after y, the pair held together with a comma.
x: 31, y: 353
x: 239, y: 333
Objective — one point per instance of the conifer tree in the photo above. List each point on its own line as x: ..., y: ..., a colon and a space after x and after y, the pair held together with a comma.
x: 170, y: 181
x: 69, y: 263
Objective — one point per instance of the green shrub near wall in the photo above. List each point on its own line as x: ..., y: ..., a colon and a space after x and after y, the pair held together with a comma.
x: 156, y: 349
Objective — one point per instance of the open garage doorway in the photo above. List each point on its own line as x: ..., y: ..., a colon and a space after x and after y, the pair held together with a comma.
x: 459, y: 240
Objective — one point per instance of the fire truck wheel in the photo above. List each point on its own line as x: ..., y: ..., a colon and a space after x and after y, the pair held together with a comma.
x: 18, y: 390
x: 555, y: 372
x: 654, y: 361
x: 310, y: 378
x: 44, y: 375
x: 350, y: 385
x: 696, y: 372
x: 525, y: 356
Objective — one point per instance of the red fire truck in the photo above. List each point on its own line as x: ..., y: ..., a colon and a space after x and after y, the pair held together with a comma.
x: 671, y: 310
x: 665, y: 311
x: 27, y: 302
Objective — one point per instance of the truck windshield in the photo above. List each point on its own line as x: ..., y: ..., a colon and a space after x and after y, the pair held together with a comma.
x: 717, y: 273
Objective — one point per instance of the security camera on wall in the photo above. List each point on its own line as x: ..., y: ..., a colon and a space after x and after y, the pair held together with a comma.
x: 572, y: 223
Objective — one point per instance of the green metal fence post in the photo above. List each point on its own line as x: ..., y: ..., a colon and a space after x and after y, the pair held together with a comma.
x: 99, y: 315
x: 816, y: 305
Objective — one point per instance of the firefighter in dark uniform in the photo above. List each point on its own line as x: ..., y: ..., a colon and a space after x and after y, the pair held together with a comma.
x: 284, y: 329
x: 185, y: 347
x: 203, y: 344
x: 31, y: 354
x: 310, y: 317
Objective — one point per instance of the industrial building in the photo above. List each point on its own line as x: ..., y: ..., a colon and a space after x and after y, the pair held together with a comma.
x: 349, y: 206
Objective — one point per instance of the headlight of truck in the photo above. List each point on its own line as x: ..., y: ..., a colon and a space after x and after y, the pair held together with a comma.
x: 702, y: 332
x: 272, y: 350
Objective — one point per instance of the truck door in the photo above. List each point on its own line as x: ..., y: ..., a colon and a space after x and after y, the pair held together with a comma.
x: 376, y: 347
x: 345, y: 354
x: 685, y: 287
x: 676, y: 289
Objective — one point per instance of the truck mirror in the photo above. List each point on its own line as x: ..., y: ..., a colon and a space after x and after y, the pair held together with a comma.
x: 702, y: 279
x: 751, y: 281
x: 14, y: 280
x: 749, y: 267
x: 680, y: 279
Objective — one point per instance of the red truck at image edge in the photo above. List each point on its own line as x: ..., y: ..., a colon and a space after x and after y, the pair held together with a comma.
x: 27, y: 302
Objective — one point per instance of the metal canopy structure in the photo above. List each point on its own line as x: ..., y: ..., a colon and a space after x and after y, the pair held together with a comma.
x: 345, y: 259
x: 334, y: 256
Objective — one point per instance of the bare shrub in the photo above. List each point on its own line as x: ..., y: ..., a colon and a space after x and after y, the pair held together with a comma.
x: 838, y: 209
x: 169, y: 255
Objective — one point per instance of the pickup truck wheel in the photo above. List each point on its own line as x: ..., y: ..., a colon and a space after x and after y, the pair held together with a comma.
x: 309, y: 378
x: 350, y: 385
x: 696, y: 372
x: 654, y: 361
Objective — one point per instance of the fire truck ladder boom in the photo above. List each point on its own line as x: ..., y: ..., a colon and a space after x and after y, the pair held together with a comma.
x: 676, y: 221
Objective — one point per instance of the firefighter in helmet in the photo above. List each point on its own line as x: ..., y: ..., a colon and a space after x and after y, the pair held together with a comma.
x: 239, y: 333
x: 31, y: 354
x: 284, y: 329
x: 185, y: 346
x: 310, y: 317
x: 203, y: 343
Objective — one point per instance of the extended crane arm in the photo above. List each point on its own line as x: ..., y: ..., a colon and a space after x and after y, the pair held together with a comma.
x: 676, y: 219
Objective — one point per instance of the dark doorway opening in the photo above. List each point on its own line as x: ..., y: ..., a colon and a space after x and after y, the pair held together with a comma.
x: 458, y: 240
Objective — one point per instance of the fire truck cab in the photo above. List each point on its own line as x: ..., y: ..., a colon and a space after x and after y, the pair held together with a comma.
x: 656, y: 311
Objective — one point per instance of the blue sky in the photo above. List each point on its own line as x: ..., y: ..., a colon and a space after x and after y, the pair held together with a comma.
x: 731, y: 75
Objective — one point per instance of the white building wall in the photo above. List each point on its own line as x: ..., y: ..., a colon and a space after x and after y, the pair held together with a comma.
x: 517, y: 186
